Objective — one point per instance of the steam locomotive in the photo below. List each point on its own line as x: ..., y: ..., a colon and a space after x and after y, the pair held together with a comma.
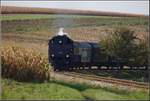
x: 66, y: 54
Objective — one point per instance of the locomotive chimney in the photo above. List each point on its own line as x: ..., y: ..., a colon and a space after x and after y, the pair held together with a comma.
x: 61, y: 33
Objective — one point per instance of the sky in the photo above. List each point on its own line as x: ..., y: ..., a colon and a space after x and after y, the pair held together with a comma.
x: 135, y: 7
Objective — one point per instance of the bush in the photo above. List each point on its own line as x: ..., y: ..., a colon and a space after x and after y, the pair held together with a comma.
x: 23, y: 64
x: 125, y: 44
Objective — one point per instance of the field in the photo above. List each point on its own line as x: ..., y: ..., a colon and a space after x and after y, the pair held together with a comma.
x: 32, y: 31
x: 91, y: 28
x: 30, y: 10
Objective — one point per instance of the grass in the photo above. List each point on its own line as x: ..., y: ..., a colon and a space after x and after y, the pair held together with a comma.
x: 18, y: 90
x: 61, y: 90
x: 100, y: 94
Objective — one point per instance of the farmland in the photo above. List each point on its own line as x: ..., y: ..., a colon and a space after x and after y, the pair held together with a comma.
x: 30, y: 34
x: 31, y: 10
x: 91, y: 28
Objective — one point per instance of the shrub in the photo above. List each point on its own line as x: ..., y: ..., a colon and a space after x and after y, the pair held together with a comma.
x: 125, y: 44
x: 23, y: 64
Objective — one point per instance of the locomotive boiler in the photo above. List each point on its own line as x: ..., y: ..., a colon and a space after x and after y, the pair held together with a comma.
x: 66, y: 54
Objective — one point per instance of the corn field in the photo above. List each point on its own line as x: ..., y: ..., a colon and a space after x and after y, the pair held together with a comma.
x: 23, y: 64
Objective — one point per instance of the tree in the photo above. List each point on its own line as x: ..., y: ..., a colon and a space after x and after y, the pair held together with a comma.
x: 125, y: 44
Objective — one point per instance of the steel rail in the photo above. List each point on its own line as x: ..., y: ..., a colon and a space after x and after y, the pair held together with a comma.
x: 108, y: 80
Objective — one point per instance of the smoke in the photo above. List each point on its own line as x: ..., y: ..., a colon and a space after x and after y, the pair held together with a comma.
x: 61, y: 33
x: 61, y: 22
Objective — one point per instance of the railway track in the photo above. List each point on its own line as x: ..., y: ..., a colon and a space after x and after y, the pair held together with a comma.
x: 108, y: 80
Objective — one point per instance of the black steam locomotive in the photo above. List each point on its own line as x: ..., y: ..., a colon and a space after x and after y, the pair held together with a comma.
x: 66, y: 54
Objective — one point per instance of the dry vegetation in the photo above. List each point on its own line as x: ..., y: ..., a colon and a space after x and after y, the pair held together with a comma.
x: 23, y: 64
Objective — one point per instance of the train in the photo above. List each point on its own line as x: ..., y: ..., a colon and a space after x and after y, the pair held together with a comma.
x: 67, y: 54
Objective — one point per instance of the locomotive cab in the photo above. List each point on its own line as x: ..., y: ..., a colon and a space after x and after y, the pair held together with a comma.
x: 82, y: 52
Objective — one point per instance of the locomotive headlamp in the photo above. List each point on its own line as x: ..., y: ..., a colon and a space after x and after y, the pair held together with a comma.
x: 60, y: 41
x: 52, y: 41
x: 67, y: 56
x: 52, y: 55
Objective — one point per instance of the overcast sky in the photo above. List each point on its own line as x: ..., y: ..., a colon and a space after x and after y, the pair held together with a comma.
x: 136, y: 7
